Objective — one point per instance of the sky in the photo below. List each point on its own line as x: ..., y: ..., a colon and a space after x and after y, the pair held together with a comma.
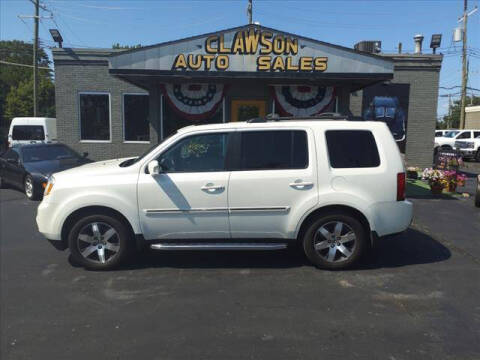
x: 99, y: 24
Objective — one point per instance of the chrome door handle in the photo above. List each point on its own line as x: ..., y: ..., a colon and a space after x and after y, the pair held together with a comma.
x: 300, y: 185
x: 212, y: 188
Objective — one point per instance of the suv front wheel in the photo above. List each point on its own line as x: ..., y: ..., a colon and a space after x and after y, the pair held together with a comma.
x: 335, y: 241
x: 99, y: 242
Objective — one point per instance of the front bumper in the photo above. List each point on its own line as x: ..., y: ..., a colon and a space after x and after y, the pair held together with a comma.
x: 46, y: 222
x: 467, y: 153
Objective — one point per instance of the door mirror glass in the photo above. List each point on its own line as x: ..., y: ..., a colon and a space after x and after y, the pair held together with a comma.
x: 85, y: 154
x: 153, y: 167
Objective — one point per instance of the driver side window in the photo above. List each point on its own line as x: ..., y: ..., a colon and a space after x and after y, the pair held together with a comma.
x: 197, y: 153
x: 464, y: 135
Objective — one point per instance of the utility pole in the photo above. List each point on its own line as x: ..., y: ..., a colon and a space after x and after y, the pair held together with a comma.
x: 464, y: 66
x: 35, y: 63
x: 250, y: 11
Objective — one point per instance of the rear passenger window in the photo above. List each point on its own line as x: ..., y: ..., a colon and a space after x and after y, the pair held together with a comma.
x: 352, y: 149
x: 28, y: 132
x: 272, y: 150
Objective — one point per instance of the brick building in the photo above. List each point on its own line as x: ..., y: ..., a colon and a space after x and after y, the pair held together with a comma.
x: 119, y: 103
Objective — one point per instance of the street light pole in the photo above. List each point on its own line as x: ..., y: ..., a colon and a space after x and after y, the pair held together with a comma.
x: 35, y: 63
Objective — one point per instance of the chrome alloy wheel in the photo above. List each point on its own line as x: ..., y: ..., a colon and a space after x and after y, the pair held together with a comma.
x: 335, y: 241
x: 29, y: 187
x: 98, y: 242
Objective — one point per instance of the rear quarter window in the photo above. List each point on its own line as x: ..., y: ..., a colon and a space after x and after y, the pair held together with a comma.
x: 352, y: 149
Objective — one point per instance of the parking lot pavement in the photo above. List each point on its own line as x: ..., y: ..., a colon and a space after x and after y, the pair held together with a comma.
x: 417, y: 298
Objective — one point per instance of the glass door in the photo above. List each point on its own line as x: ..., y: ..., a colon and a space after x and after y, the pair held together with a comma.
x: 247, y: 109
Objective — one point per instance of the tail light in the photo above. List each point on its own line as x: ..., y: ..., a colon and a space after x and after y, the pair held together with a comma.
x: 401, y: 186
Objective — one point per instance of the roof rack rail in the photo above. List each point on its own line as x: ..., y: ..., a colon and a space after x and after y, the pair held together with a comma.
x: 322, y: 116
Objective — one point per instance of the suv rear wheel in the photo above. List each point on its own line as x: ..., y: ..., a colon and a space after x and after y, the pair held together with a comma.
x: 335, y: 241
x: 99, y: 242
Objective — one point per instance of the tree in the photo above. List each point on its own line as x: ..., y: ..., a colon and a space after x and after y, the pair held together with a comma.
x: 19, y: 101
x: 12, y: 76
x: 452, y: 121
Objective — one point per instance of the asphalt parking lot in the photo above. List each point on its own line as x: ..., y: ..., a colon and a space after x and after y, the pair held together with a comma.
x: 417, y: 298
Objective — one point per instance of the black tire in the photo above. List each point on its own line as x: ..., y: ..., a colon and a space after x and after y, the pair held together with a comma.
x: 122, y: 241
x: 477, y: 156
x: 356, y: 248
x: 34, y: 192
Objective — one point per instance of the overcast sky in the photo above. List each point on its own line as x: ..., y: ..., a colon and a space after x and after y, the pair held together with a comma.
x: 102, y: 23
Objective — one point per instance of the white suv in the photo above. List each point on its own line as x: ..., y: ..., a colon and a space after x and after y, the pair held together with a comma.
x: 330, y: 185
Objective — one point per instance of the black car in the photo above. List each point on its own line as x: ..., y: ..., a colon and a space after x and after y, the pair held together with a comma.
x: 28, y: 166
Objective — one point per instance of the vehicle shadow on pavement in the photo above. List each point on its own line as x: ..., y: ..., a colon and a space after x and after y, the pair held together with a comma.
x: 410, y: 248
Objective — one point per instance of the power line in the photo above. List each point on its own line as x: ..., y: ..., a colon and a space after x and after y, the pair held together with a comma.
x: 25, y: 65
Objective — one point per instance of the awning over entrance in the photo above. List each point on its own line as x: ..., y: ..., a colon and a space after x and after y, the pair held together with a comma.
x: 247, y: 53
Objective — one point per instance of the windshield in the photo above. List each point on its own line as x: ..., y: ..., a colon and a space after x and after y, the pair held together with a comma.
x: 48, y: 153
x: 450, y: 134
x: 137, y: 159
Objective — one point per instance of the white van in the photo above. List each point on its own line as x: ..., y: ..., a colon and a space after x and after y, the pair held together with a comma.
x: 31, y: 130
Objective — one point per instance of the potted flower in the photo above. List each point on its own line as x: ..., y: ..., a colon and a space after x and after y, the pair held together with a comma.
x: 436, y: 180
x: 461, y: 178
x: 450, y: 180
x: 412, y: 172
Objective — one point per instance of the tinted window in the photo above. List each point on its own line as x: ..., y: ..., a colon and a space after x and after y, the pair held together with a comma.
x: 464, y: 135
x: 28, y: 132
x: 438, y: 133
x: 352, y: 149
x: 197, y: 153
x: 95, y: 116
x: 135, y: 115
x: 282, y: 149
x: 476, y: 134
x: 45, y: 153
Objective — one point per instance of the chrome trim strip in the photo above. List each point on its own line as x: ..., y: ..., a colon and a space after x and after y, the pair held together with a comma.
x: 230, y: 210
x: 219, y: 246
x: 183, y: 211
x: 260, y: 209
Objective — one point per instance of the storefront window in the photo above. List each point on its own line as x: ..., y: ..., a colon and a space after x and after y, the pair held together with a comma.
x: 173, y: 120
x: 95, y: 116
x: 135, y: 117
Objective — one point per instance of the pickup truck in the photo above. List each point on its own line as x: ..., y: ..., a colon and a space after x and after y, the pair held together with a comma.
x: 470, y: 149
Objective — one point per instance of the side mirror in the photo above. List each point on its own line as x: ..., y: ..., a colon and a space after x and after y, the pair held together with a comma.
x: 153, y: 167
x: 85, y: 154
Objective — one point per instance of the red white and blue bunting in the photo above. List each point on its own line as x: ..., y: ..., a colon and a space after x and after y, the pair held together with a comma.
x: 194, y: 101
x: 302, y: 100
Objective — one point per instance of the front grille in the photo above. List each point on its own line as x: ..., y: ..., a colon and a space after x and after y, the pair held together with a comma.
x: 463, y: 145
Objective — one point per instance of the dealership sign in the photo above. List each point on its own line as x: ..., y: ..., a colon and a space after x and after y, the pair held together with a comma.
x: 277, y: 53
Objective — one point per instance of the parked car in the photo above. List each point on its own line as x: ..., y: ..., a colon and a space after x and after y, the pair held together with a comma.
x: 469, y: 149
x: 28, y: 167
x: 447, y: 141
x: 236, y: 186
x: 32, y: 130
x: 439, y: 133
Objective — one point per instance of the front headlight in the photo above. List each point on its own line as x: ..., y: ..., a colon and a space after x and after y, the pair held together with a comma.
x: 49, y: 186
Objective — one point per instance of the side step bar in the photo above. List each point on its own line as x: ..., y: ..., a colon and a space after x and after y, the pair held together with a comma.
x: 219, y: 246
